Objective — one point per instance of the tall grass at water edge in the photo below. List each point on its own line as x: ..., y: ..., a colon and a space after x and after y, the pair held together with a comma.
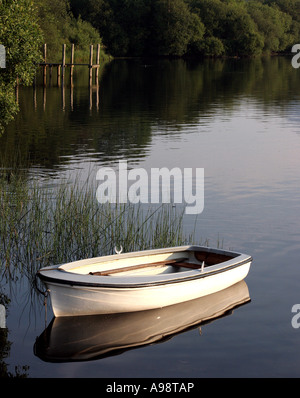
x: 42, y: 225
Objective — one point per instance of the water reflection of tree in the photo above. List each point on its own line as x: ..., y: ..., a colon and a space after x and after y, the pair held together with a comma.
x: 138, y: 97
x: 8, y: 104
x: 5, y: 346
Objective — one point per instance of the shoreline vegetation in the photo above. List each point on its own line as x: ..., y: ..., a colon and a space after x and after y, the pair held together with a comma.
x: 42, y: 225
x: 200, y: 28
x: 137, y: 28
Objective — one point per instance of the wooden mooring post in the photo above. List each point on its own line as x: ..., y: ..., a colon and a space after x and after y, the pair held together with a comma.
x: 91, y: 66
x: 61, y: 67
x: 45, y: 66
x: 72, y: 63
x: 63, y: 64
x: 98, y: 63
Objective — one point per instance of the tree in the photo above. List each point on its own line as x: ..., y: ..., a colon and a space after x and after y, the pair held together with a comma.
x: 229, y: 28
x: 143, y: 27
x: 239, y: 32
x: 21, y: 36
x: 174, y: 27
x: 273, y: 24
x: 133, y: 16
x: 60, y: 27
x: 289, y: 8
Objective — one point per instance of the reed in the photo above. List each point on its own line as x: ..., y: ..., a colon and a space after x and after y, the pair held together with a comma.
x: 42, y: 225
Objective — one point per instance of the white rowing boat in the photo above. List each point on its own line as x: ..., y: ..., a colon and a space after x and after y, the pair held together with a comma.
x: 142, y: 280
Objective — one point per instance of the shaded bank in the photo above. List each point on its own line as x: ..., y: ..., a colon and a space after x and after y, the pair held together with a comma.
x: 193, y: 27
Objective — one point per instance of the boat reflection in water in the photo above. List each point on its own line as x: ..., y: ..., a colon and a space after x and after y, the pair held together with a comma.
x: 82, y: 338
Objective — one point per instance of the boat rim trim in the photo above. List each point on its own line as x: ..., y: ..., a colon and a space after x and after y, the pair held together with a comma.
x: 194, y: 276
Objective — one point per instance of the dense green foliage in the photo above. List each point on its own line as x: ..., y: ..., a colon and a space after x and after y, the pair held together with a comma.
x: 193, y: 27
x: 24, y: 26
x: 21, y: 37
x: 60, y: 27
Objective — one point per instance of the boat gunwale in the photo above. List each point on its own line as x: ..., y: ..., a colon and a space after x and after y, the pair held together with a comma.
x: 136, y: 284
x: 60, y: 274
x: 143, y: 253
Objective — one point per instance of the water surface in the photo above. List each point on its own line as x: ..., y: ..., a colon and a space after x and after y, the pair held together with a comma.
x: 237, y: 119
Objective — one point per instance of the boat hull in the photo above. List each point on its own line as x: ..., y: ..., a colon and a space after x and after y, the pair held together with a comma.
x: 77, y: 300
x: 73, y: 296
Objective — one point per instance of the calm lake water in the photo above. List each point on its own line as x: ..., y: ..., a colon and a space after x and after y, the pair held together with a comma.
x: 239, y: 121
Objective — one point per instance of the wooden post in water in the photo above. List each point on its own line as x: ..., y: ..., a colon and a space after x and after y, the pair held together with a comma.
x: 72, y: 63
x: 91, y: 66
x: 61, y: 67
x: 63, y: 63
x: 58, y: 75
x: 98, y: 63
x: 45, y: 66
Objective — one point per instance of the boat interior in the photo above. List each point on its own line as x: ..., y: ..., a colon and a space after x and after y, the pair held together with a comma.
x: 154, y: 265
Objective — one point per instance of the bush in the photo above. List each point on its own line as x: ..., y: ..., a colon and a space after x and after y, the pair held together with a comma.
x: 60, y: 27
x: 21, y: 37
x: 273, y: 24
